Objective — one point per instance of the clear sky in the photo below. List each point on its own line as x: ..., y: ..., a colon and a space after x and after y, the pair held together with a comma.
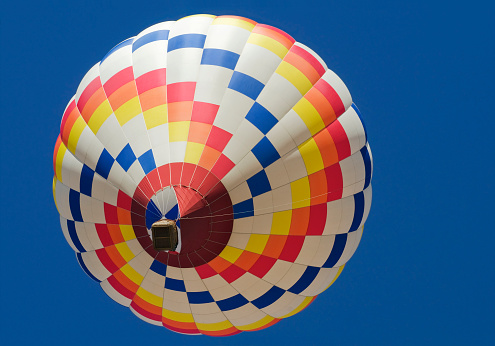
x: 422, y: 74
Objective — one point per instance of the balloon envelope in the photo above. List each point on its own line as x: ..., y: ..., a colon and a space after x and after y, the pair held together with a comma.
x: 246, y: 141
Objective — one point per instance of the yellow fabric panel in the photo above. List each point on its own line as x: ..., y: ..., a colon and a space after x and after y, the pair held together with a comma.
x: 149, y: 297
x: 213, y: 327
x: 268, y: 43
x: 281, y: 222
x: 125, y: 251
x: 99, y: 116
x: 234, y: 22
x: 75, y: 133
x: 178, y: 131
x: 294, y: 76
x: 177, y: 316
x: 308, y: 113
x: 305, y: 303
x: 311, y: 155
x: 132, y: 274
x: 127, y: 232
x: 128, y: 110
x: 300, y: 193
x: 193, y: 152
x: 258, y: 324
x: 230, y: 253
x: 155, y: 116
x: 53, y: 191
x: 59, y: 160
x: 336, y: 276
x: 257, y: 243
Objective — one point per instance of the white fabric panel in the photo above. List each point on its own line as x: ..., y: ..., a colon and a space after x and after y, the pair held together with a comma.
x: 190, y: 274
x: 232, y: 179
x: 240, y: 193
x: 193, y: 24
x: 347, y: 214
x: 243, y: 225
x: 284, y: 305
x: 149, y: 57
x: 258, y: 62
x: 177, y: 151
x: 354, y: 129
x: 282, y: 198
x: 87, y: 79
x: 175, y: 301
x: 65, y: 231
x: 295, y: 166
x: 115, y: 62
x: 111, y: 136
x: 279, y: 96
x: 112, y: 293
x: 82, y: 236
x: 92, y: 262
x: 244, y: 282
x: 174, y: 273
x: 84, y: 142
x: 308, y: 250
x: 233, y: 109
x: 281, y: 139
x: 254, y: 291
x: 262, y: 224
x: 159, y: 136
x: 249, y: 165
x: 137, y: 135
x: 296, y: 127
x: 351, y: 245
x: 141, y: 263
x: 183, y: 65
x: 204, y: 309
x: 323, y: 251
x: 277, y: 174
x: 156, y: 280
x: 209, y: 318
x: 161, y: 154
x: 263, y: 203
x: 92, y: 209
x: 238, y: 240
x: 248, y: 319
x: 136, y: 171
x: 291, y: 276
x: 227, y: 37
x: 240, y: 312
x: 93, y: 153
x: 119, y: 178
x: 367, y: 204
x: 92, y: 235
x: 222, y: 292
x: 62, y: 200
x: 338, y: 85
x: 320, y: 283
x: 212, y: 83
x: 277, y: 272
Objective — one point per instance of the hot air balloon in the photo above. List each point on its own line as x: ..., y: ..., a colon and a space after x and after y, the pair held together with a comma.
x: 212, y: 174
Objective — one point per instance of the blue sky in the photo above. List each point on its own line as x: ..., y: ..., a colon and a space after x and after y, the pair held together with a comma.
x: 422, y: 74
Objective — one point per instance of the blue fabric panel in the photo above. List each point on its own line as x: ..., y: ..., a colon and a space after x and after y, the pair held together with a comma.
x: 75, y: 205
x: 367, y: 166
x: 117, y: 47
x: 71, y: 225
x: 269, y: 297
x: 358, y: 211
x: 259, y: 184
x: 246, y: 85
x: 244, y: 209
x: 265, y: 152
x: 360, y: 118
x: 159, y: 268
x: 337, y: 250
x: 126, y: 157
x: 306, y: 279
x: 151, y: 37
x: 219, y: 57
x: 83, y: 266
x: 153, y: 214
x: 147, y: 161
x: 232, y: 302
x: 173, y: 213
x: 175, y: 285
x: 86, y: 180
x: 260, y: 117
x: 186, y: 41
x: 105, y: 163
x: 199, y: 297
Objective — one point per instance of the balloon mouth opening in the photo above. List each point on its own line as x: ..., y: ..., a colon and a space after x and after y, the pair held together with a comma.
x: 164, y: 235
